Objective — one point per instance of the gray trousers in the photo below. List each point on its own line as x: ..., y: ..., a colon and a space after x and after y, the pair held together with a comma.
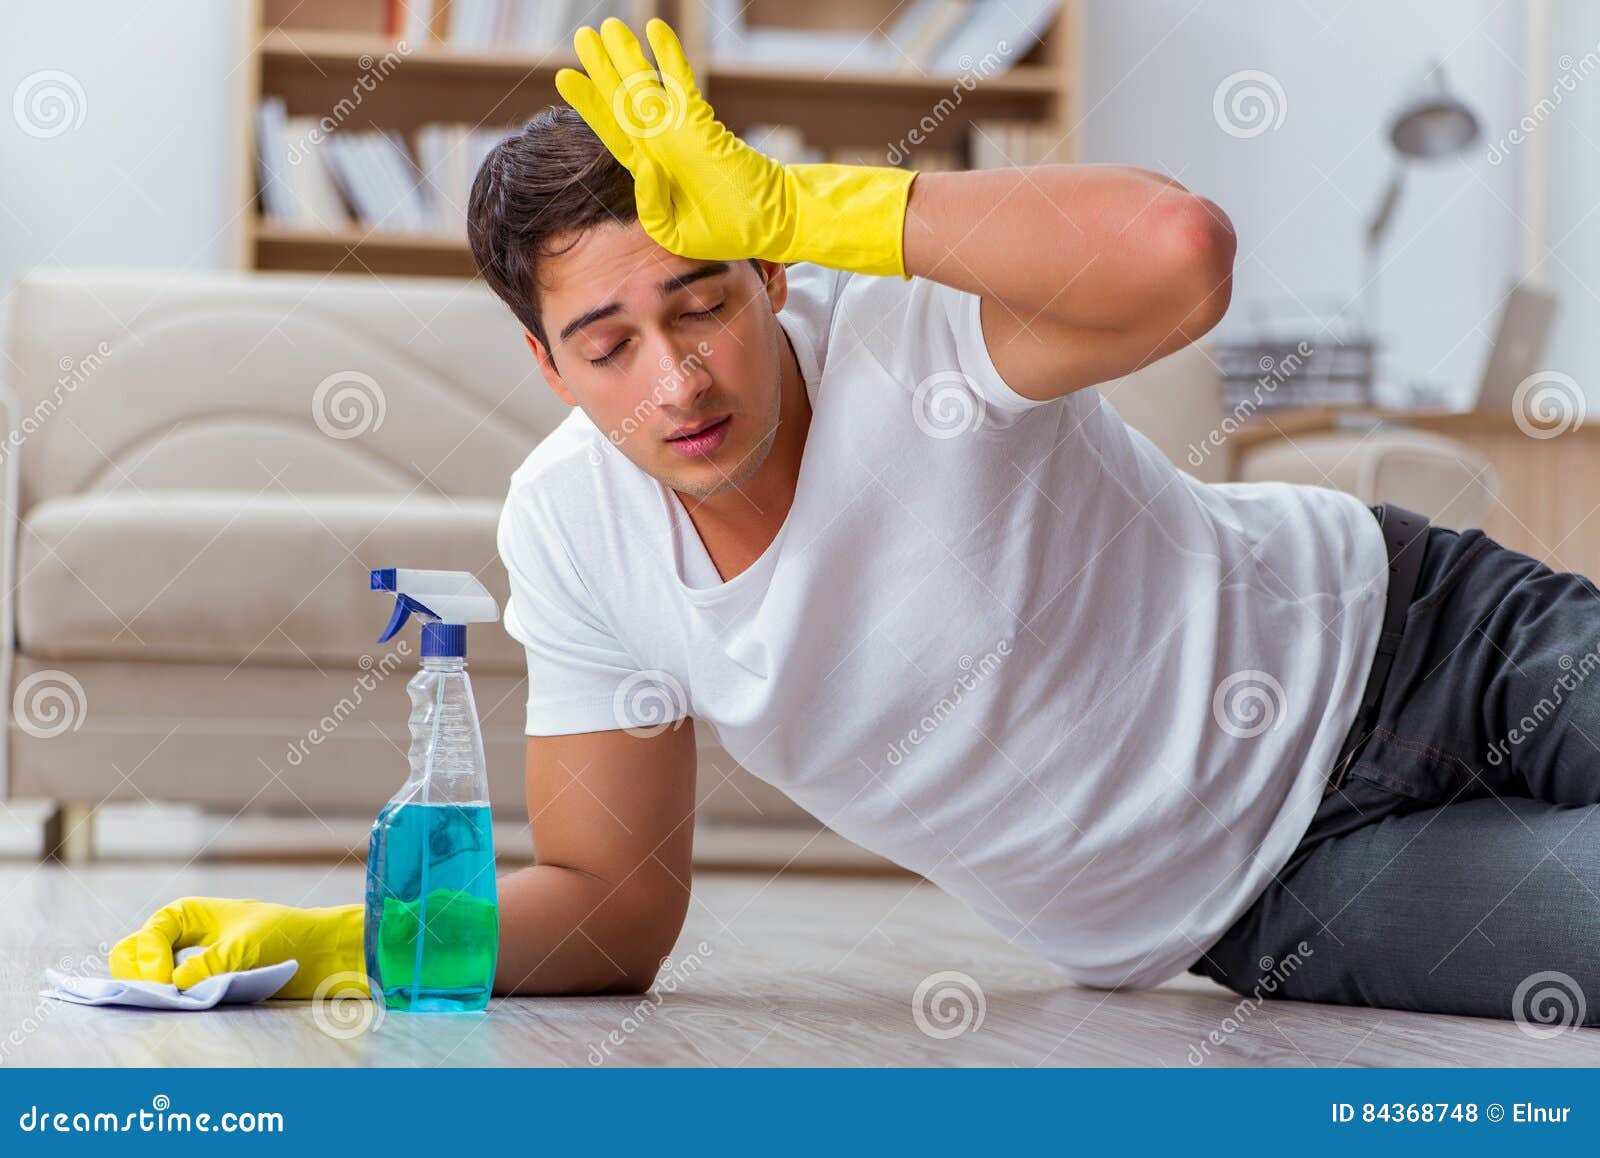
x: 1457, y: 867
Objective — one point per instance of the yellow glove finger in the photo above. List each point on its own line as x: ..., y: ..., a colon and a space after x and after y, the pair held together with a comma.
x: 627, y: 57
x: 583, y: 95
x: 146, y: 954
x: 642, y: 103
x: 142, y: 956
x: 670, y: 58
x: 652, y: 196
x: 224, y: 957
x: 596, y: 61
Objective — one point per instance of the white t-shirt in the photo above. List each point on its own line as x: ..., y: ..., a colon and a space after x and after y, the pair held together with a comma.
x: 1005, y: 644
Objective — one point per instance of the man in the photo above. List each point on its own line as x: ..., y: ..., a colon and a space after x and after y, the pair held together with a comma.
x: 838, y: 481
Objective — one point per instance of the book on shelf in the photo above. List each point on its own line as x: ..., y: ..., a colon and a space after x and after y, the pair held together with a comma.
x: 450, y: 157
x: 296, y: 189
x: 529, y: 25
x: 325, y: 181
x: 272, y: 136
x: 927, y: 38
x: 921, y: 30
x: 379, y: 181
x: 1000, y: 30
x: 806, y: 48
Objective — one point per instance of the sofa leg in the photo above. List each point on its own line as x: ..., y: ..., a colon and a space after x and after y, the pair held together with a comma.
x: 69, y: 834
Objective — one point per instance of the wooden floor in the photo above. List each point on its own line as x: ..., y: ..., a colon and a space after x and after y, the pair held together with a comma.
x: 788, y: 971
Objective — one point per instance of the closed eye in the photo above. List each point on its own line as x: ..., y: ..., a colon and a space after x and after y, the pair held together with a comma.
x: 610, y: 357
x: 716, y: 309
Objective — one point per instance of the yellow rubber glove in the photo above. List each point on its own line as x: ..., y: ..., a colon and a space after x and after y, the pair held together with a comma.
x: 245, y: 934
x: 704, y: 193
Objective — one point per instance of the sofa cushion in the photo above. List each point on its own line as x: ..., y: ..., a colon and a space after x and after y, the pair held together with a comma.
x: 239, y: 578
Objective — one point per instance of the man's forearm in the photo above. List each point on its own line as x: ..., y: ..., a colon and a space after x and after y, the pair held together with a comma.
x: 563, y: 931
x: 1094, y: 246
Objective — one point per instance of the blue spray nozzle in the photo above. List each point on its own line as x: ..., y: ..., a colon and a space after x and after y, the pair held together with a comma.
x: 445, y: 600
x: 403, y: 607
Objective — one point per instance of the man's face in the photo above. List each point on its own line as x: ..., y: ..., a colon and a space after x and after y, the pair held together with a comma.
x: 677, y: 361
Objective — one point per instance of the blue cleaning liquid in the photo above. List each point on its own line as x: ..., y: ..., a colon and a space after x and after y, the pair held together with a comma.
x: 432, y: 919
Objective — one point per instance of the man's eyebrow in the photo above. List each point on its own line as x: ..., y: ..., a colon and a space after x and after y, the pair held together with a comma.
x: 583, y: 320
x: 670, y: 285
x: 710, y: 269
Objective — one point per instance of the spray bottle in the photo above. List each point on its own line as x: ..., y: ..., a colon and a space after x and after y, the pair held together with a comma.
x: 432, y: 917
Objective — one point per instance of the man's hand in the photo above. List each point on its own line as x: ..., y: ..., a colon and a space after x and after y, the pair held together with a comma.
x: 245, y: 934
x: 701, y: 191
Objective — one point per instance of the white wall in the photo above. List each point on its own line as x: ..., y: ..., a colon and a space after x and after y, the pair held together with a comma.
x: 1299, y: 194
x: 1569, y: 139
x: 146, y: 178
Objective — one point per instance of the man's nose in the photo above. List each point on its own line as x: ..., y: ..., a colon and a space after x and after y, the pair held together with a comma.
x: 681, y: 373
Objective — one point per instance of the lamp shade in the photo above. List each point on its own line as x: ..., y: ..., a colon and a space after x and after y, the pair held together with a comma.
x: 1438, y: 126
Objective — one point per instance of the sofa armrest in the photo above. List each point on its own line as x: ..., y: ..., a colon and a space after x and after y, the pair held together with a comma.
x: 10, y: 519
x: 1429, y: 473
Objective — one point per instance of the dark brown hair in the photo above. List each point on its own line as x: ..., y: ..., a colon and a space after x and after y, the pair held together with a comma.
x: 543, y: 185
x: 551, y: 179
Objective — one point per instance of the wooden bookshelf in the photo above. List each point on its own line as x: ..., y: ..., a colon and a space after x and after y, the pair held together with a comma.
x: 315, y: 56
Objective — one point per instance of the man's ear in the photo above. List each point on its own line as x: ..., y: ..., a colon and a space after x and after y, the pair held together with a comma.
x: 547, y: 367
x: 777, y: 283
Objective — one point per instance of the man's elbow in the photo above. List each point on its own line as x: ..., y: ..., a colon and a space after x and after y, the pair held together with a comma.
x: 1203, y: 245
x: 653, y: 933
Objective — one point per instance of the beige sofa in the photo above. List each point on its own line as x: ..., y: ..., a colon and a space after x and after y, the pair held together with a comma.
x: 202, y: 469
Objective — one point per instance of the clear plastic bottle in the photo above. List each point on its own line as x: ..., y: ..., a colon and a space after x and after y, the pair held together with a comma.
x: 432, y: 915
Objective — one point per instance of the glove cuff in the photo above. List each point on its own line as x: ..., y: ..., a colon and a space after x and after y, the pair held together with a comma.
x: 345, y: 939
x: 850, y: 217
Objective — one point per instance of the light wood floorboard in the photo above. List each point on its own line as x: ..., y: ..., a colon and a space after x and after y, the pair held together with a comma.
x: 797, y: 970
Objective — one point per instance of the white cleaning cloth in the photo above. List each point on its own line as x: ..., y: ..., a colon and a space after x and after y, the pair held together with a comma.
x: 224, y: 989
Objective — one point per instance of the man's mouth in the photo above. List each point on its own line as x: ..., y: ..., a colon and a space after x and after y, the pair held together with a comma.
x: 700, y: 438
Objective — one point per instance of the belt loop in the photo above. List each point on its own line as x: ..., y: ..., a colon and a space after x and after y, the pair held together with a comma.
x: 1405, y: 543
